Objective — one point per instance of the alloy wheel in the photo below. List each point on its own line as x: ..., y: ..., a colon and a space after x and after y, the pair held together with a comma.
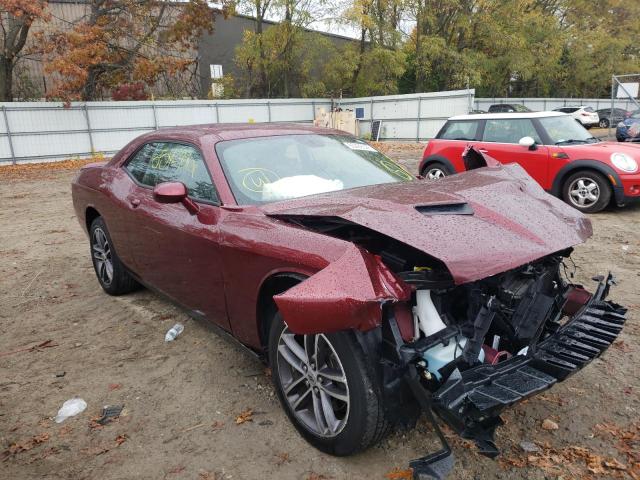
x: 101, y: 251
x: 435, y: 173
x: 313, y: 382
x: 584, y: 192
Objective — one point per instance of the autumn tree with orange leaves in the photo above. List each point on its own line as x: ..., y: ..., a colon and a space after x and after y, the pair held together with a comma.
x: 123, y: 42
x: 16, y: 18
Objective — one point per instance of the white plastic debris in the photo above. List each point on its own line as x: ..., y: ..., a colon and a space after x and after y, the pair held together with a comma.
x: 298, y: 186
x: 70, y: 408
x: 173, y: 332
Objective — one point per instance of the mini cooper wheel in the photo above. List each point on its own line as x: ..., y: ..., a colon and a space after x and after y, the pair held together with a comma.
x: 112, y: 275
x: 435, y: 171
x: 327, y: 389
x: 587, y: 191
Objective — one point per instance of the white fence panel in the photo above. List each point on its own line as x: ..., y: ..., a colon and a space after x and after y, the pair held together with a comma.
x: 39, y: 131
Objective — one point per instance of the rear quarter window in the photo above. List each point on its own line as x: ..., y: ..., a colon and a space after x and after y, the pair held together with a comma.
x: 459, y: 130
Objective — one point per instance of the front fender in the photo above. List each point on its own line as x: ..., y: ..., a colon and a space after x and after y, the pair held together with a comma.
x: 603, y: 168
x: 346, y: 294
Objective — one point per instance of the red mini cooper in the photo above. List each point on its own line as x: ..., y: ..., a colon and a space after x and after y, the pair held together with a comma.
x: 563, y: 157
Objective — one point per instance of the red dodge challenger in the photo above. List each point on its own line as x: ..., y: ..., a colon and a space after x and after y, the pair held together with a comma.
x: 373, y: 296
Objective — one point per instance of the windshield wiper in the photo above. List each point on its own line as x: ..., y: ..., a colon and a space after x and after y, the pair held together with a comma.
x: 571, y: 140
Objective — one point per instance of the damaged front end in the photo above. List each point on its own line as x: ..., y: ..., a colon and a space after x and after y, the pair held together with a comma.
x: 504, y: 339
x: 459, y: 292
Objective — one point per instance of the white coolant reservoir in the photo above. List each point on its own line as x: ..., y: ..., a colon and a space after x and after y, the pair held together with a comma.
x: 430, y: 323
x: 428, y: 316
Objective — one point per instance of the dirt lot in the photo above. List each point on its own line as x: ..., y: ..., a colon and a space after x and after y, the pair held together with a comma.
x: 182, y: 399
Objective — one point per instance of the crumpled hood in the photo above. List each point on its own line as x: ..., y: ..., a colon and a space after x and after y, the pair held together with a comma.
x: 511, y: 220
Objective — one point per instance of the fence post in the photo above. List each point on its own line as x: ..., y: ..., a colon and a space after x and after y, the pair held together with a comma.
x: 217, y: 113
x: 268, y: 111
x: 371, y: 118
x: 6, y: 122
x: 86, y: 117
x: 155, y: 115
x: 313, y: 112
x: 418, y: 119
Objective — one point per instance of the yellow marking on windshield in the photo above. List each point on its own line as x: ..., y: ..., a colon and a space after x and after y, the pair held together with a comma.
x: 255, y: 178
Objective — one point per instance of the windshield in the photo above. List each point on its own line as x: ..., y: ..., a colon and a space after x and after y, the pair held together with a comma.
x: 520, y: 108
x: 565, y: 130
x: 268, y: 169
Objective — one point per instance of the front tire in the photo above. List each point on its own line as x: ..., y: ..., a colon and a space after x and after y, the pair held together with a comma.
x: 587, y: 191
x: 112, y: 274
x: 327, y: 388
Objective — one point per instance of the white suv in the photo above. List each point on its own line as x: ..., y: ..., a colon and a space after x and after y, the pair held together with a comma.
x: 585, y: 115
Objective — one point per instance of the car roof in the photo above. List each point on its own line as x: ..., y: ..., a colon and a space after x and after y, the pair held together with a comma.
x: 231, y: 131
x: 512, y: 115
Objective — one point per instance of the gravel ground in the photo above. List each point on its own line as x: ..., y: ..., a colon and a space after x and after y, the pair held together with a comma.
x: 182, y: 399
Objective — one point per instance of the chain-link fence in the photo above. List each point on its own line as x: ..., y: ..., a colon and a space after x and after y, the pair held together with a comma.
x: 625, y: 88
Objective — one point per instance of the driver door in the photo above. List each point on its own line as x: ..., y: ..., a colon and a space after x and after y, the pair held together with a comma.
x: 501, y: 139
x: 175, y: 251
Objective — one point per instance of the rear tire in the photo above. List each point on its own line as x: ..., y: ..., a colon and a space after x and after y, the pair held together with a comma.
x: 587, y: 191
x: 604, y: 123
x: 302, y: 382
x: 435, y: 171
x: 111, y: 273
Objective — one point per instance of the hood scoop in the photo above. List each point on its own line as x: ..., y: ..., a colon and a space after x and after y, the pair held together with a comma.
x: 446, y: 209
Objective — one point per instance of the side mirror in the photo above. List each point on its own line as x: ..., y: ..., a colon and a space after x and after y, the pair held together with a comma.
x: 528, y: 142
x: 175, y: 192
x: 170, y: 192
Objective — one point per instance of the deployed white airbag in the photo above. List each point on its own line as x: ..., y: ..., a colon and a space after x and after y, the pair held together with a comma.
x: 298, y: 186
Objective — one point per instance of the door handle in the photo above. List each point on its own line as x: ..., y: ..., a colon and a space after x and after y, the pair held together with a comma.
x: 134, y: 202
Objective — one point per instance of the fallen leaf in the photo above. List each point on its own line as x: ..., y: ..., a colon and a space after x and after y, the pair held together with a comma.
x: 120, y: 439
x: 246, y: 416
x: 217, y: 425
x: 114, y: 386
x: 622, y: 346
x: 64, y: 431
x: 317, y: 476
x: 614, y: 464
x: 177, y: 469
x: 204, y: 475
x: 548, y: 424
x: 282, y: 458
x: 27, y: 444
x: 398, y: 474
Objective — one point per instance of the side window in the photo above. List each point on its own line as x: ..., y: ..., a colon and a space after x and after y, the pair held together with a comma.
x: 509, y: 131
x: 173, y: 162
x: 460, y: 130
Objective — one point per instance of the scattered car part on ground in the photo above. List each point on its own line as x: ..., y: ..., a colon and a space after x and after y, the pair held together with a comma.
x: 368, y: 300
x: 585, y: 116
x: 564, y: 158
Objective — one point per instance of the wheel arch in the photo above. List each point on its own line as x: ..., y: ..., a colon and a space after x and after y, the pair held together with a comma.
x: 589, y: 165
x: 437, y: 159
x: 274, y: 284
x: 90, y: 214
